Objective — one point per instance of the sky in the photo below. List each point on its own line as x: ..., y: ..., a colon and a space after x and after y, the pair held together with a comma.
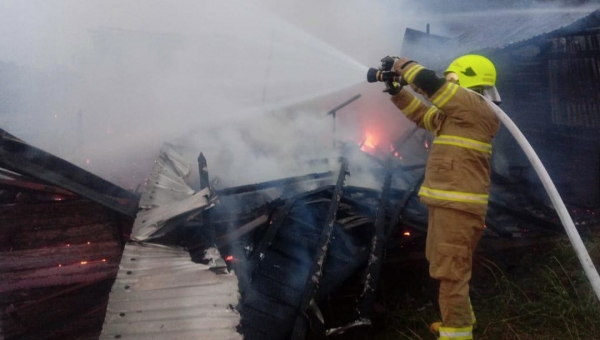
x: 104, y: 84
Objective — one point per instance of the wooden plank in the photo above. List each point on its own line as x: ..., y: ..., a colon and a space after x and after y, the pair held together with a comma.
x: 50, y: 257
x: 28, y: 186
x: 21, y: 240
x: 71, y: 212
x: 93, y: 270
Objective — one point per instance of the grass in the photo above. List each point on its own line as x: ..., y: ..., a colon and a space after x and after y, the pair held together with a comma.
x: 530, y: 293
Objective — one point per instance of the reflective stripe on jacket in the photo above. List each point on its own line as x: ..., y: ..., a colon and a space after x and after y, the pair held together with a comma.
x: 458, y: 169
x: 452, y: 333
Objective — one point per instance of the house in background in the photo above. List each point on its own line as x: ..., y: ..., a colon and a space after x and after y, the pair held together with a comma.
x: 549, y: 78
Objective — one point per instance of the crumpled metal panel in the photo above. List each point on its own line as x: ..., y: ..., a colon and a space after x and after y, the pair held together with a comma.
x: 149, y: 222
x: 167, y: 196
x: 167, y: 183
x: 160, y: 293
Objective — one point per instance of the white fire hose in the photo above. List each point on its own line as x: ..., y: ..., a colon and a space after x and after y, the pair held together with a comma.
x: 559, y: 205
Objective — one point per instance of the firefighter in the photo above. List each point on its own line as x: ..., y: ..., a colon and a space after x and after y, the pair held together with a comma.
x: 457, y: 176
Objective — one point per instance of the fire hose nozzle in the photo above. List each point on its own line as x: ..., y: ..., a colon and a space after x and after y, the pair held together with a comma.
x: 375, y: 75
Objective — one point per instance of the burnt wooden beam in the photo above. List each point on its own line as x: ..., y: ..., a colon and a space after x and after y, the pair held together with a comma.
x: 316, y: 271
x: 241, y: 231
x: 206, y: 214
x: 27, y: 186
x: 273, y: 184
x: 373, y: 271
x: 333, y: 113
x: 10, y: 174
x: 275, y: 224
x: 20, y: 157
x: 203, y: 168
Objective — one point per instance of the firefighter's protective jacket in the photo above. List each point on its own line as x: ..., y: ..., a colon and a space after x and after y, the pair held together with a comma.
x: 458, y: 169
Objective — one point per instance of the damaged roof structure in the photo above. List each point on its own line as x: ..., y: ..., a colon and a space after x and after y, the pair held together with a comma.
x: 205, y: 262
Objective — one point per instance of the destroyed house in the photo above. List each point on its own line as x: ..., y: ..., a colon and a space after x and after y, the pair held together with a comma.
x: 549, y: 79
x: 304, y: 253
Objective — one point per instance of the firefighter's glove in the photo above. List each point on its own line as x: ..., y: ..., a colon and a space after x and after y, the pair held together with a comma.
x: 388, y: 62
x: 392, y: 87
x: 400, y: 64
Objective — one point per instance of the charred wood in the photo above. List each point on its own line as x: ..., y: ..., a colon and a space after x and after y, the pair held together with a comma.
x: 316, y: 271
x: 372, y: 273
x: 273, y: 184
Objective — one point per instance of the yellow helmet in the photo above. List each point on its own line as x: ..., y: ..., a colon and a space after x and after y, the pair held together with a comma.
x: 473, y: 70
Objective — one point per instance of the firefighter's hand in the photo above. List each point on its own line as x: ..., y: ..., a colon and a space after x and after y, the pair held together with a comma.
x: 392, y: 88
x: 388, y: 62
x: 400, y: 64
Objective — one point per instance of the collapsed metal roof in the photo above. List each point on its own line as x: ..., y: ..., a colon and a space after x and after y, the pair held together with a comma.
x: 25, y: 159
x: 160, y: 293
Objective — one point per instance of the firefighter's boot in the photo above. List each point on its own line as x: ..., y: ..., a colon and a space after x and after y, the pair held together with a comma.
x: 456, y: 333
x: 435, y: 327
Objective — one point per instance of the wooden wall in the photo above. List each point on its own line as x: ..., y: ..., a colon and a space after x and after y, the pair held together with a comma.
x: 58, y: 261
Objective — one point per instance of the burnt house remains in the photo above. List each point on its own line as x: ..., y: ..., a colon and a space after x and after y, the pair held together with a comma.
x: 304, y: 253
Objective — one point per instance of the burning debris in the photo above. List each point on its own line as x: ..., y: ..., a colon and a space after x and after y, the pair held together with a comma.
x: 288, y: 253
x: 267, y: 253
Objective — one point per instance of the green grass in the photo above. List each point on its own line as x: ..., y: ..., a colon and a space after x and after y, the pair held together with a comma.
x: 531, y: 293
x: 546, y: 297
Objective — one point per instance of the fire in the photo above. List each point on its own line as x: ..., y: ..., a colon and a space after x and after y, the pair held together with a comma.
x: 370, y: 142
x: 229, y: 258
x: 407, y: 233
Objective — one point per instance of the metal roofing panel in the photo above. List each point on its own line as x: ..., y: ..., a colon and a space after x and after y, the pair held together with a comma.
x: 160, y: 293
x: 148, y: 222
x: 505, y: 28
x: 168, y: 182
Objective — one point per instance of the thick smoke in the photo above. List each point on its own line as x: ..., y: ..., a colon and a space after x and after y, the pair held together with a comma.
x: 104, y: 84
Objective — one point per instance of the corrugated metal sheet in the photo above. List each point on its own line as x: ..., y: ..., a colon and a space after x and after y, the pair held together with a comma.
x: 167, y: 195
x: 484, y: 32
x: 160, y: 293
x: 499, y: 30
x: 168, y: 181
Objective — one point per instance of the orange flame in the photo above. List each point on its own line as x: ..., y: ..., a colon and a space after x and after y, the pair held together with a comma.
x: 370, y: 142
x: 229, y: 258
x: 407, y: 233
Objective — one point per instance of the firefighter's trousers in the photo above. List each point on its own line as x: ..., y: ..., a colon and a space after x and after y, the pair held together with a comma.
x: 452, y: 236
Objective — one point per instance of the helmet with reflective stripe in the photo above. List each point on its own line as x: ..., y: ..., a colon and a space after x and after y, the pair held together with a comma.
x: 473, y: 70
